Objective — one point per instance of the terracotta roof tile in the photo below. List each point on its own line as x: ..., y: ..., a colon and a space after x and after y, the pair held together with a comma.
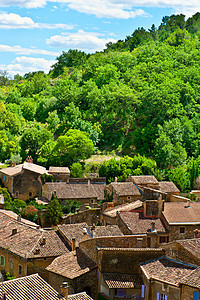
x: 12, y: 171
x: 122, y: 281
x: 112, y: 212
x: 29, y: 242
x: 76, y: 231
x: 179, y: 212
x: 79, y: 296
x: 144, y: 179
x: 125, y: 189
x: 66, y: 190
x: 30, y: 287
x: 109, y: 230
x: 138, y: 224
x: 72, y: 265
x: 168, y: 187
x: 193, y: 279
x: 166, y: 270
x: 192, y: 245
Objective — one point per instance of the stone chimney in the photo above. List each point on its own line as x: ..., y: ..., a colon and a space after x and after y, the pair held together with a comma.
x: 14, y: 231
x: 13, y: 164
x: 116, y: 179
x: 88, y: 182
x: 19, y: 218
x: 65, y: 289
x: 73, y: 244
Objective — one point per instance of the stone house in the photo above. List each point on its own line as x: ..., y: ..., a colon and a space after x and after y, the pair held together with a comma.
x: 190, y: 286
x: 23, y: 181
x: 77, y: 269
x: 25, y: 250
x: 144, y: 181
x: 181, y: 219
x: 169, y: 188
x: 109, y: 216
x: 34, y: 287
x: 122, y: 192
x: 61, y: 174
x: 161, y: 278
x: 87, y: 194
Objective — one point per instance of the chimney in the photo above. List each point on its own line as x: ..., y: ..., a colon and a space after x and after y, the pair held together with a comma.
x: 14, y: 231
x: 196, y: 233
x: 43, y: 242
x: 85, y: 236
x: 188, y: 204
x: 88, y: 182
x: 19, y: 218
x: 73, y: 244
x: 13, y: 164
x: 153, y: 226
x: 115, y: 179
x: 64, y: 289
x: 29, y: 159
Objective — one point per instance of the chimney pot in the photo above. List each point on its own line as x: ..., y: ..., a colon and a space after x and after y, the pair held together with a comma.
x: 14, y: 231
x: 152, y: 226
x: 64, y: 289
x: 115, y: 179
x: 73, y: 244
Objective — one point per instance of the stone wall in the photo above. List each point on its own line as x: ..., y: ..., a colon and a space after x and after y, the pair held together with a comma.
x: 89, y: 247
x: 90, y: 216
x: 17, y: 261
x: 176, y: 235
x: 187, y: 292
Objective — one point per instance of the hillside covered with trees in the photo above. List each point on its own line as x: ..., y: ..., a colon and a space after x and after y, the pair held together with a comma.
x: 140, y: 96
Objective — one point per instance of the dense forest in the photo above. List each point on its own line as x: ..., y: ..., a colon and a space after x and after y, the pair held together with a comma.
x: 139, y: 97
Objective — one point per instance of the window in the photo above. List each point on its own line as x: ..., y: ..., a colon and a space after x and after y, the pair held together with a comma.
x: 182, y: 229
x: 195, y: 295
x: 2, y: 261
x: 20, y: 270
x: 30, y: 194
x: 144, y: 291
x: 129, y: 197
x: 4, y: 178
x: 11, y: 266
x: 33, y: 182
x: 161, y: 297
x: 17, y: 194
x: 7, y: 179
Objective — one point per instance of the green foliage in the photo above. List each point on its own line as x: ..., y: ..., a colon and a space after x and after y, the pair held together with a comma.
x: 47, y: 178
x: 76, y: 170
x: 54, y: 212
x: 71, y: 206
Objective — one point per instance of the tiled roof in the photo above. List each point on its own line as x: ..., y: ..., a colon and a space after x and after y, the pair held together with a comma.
x: 112, y: 212
x: 72, y: 265
x: 168, y: 187
x: 30, y: 287
x: 138, y: 224
x: 71, y: 231
x: 79, y: 296
x: 122, y: 281
x: 125, y: 189
x: 12, y: 171
x: 66, y: 190
x: 193, y: 279
x: 166, y: 270
x: 192, y: 245
x: 15, y: 217
x: 144, y: 179
x: 109, y: 230
x: 29, y: 242
x: 179, y: 212
x: 59, y: 170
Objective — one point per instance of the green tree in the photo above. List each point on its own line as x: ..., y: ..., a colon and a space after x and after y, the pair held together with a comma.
x: 54, y: 211
x: 76, y: 170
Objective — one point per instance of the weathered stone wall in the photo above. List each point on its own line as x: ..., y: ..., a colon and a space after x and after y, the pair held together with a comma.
x: 187, y: 292
x: 38, y: 266
x: 16, y: 262
x: 107, y: 220
x: 90, y: 216
x: 177, y: 198
x: 158, y: 287
x: 89, y: 247
x: 125, y: 260
x: 122, y: 226
x: 176, y: 235
x: 176, y: 251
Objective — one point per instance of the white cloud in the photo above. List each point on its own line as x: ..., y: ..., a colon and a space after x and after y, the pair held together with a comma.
x: 14, y: 21
x: 86, y: 41
x: 26, y: 51
x: 23, y: 64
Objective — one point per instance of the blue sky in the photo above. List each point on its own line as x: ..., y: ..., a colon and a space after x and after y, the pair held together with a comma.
x: 34, y: 32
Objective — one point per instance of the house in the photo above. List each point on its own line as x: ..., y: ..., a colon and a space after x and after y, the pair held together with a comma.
x: 25, y: 250
x: 61, y: 174
x: 181, y: 219
x: 136, y: 223
x: 190, y: 286
x: 184, y: 250
x: 109, y: 216
x: 87, y: 194
x: 144, y: 181
x: 23, y: 181
x: 161, y: 278
x: 34, y: 287
x: 169, y: 188
x: 77, y: 269
x: 18, y: 218
x: 122, y: 192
